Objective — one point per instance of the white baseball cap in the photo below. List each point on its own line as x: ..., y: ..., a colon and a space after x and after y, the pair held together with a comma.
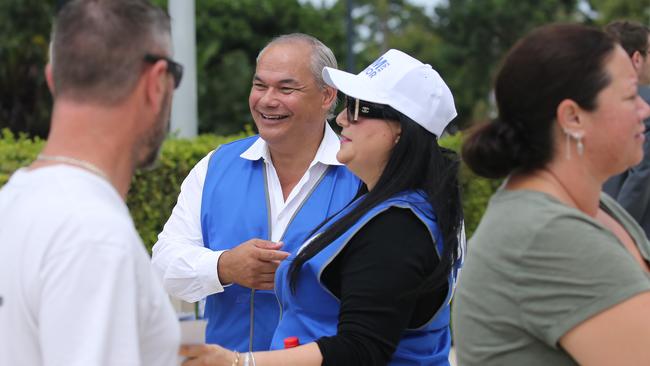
x: 404, y: 83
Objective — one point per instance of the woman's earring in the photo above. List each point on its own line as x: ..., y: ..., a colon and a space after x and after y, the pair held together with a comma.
x: 580, y: 147
x: 397, y: 139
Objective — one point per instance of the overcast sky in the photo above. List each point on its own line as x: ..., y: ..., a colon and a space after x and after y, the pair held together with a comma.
x: 428, y: 4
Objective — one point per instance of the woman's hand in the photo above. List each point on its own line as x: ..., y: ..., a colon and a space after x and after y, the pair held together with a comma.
x: 214, y: 355
x: 207, y: 355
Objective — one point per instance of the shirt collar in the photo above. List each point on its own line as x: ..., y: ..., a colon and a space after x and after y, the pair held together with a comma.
x: 326, y: 153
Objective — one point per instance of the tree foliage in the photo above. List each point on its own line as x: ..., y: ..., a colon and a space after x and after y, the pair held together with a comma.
x: 229, y: 36
x: 384, y: 24
x: 25, y: 101
x: 464, y: 40
x: 609, y: 10
x: 475, y: 35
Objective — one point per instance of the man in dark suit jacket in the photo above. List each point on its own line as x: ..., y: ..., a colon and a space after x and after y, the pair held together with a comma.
x: 632, y: 187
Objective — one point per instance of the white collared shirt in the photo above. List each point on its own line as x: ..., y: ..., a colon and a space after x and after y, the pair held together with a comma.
x: 282, y: 211
x: 188, y: 269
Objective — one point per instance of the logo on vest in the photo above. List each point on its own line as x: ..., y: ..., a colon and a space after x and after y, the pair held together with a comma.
x: 376, y: 67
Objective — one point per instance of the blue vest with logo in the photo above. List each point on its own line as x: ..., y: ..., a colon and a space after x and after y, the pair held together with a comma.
x: 234, y: 209
x: 312, y: 312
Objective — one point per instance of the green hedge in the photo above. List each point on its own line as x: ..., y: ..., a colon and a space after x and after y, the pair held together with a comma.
x: 15, y: 152
x: 476, y: 191
x: 153, y: 193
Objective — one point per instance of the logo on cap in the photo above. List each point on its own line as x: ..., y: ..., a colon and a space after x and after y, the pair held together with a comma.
x: 376, y: 67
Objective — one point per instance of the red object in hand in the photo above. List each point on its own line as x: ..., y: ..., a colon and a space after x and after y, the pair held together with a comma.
x: 291, y: 342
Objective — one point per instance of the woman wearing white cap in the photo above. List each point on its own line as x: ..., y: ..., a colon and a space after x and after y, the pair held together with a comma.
x: 373, y: 285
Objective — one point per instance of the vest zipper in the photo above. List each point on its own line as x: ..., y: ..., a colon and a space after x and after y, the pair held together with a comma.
x: 252, y: 320
x: 251, y: 334
x: 268, y: 215
x: 289, y: 223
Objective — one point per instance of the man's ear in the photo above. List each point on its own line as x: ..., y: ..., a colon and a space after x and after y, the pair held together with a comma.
x: 329, y: 96
x: 637, y: 61
x: 155, y: 83
x: 49, y: 78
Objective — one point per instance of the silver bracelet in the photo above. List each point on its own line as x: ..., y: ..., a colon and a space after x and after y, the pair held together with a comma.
x: 247, y: 358
x: 252, y: 358
x: 235, y: 362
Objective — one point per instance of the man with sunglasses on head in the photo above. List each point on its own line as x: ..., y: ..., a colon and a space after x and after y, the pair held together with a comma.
x: 248, y: 204
x: 76, y: 284
x: 632, y: 187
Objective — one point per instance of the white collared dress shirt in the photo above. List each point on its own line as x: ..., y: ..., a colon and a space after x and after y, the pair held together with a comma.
x: 187, y: 267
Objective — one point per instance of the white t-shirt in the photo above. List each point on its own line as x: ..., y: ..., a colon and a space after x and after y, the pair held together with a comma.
x: 76, y: 285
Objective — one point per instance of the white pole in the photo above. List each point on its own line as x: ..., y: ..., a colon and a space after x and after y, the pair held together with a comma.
x: 184, y: 120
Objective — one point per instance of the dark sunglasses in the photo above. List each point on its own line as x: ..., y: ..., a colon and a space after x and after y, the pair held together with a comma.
x: 356, y: 107
x: 173, y: 67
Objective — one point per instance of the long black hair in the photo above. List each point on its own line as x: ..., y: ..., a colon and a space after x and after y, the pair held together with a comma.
x: 417, y: 162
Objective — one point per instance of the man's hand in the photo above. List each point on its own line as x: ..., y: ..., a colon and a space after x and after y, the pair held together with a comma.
x: 251, y: 264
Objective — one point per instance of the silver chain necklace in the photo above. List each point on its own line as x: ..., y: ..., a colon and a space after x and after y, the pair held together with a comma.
x: 76, y: 162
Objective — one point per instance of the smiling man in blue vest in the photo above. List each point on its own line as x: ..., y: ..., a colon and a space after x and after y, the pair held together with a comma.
x: 248, y: 204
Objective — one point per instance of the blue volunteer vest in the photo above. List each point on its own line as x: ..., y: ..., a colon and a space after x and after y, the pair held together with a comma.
x: 312, y: 312
x: 234, y: 209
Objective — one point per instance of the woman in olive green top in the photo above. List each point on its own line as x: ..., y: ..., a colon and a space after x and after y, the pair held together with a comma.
x: 556, y: 273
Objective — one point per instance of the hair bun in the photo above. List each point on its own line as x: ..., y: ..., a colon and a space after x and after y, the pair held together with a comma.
x: 495, y: 149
